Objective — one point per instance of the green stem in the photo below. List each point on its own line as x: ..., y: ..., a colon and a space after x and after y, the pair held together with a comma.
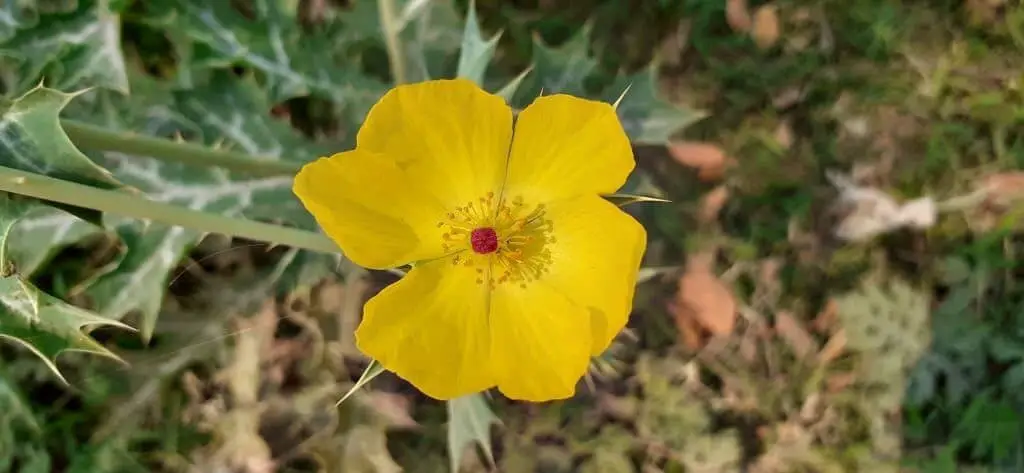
x: 388, y: 25
x: 97, y: 138
x: 135, y: 206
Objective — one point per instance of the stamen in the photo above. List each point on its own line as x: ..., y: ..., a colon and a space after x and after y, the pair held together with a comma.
x: 510, y: 241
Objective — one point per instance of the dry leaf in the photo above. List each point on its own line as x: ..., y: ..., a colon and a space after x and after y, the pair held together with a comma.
x: 784, y: 135
x: 869, y: 212
x: 709, y: 160
x: 840, y: 381
x: 766, y: 26
x: 737, y: 14
x: 711, y: 204
x: 827, y: 318
x: 689, y: 330
x: 708, y: 300
x: 393, y: 409
x: 1003, y: 188
x: 794, y: 334
x: 833, y: 348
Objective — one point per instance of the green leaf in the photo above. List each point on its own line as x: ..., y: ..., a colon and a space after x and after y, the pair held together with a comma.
x: 41, y: 233
x: 16, y: 15
x: 292, y: 64
x: 32, y: 140
x: 44, y: 324
x: 561, y: 69
x: 647, y: 118
x: 229, y: 110
x: 71, y: 49
x: 469, y: 423
x: 476, y: 52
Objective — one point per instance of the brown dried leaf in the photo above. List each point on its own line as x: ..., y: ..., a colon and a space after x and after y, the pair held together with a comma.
x: 794, y: 334
x: 711, y: 204
x: 709, y: 160
x: 840, y: 381
x: 833, y: 348
x: 737, y: 14
x: 784, y: 135
x: 1003, y: 188
x: 766, y: 29
x: 827, y: 318
x: 708, y: 299
x: 690, y: 333
x: 393, y: 409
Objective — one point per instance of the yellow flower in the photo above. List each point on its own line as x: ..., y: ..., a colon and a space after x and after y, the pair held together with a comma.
x: 522, y: 271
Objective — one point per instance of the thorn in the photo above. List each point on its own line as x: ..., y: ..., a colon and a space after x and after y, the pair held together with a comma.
x: 622, y: 96
x: 177, y: 137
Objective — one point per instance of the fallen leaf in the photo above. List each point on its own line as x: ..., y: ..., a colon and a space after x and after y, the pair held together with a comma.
x: 737, y: 14
x: 711, y: 204
x: 794, y: 334
x: 1003, y: 188
x: 867, y: 212
x: 766, y: 29
x: 709, y: 160
x: 690, y: 332
x: 827, y: 318
x: 393, y: 409
x: 784, y: 135
x: 840, y: 381
x: 708, y: 299
x: 833, y: 348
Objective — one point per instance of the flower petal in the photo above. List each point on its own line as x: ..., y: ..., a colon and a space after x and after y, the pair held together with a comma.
x: 450, y: 134
x: 386, y: 224
x: 430, y: 328
x: 566, y: 146
x: 595, y: 258
x: 537, y: 350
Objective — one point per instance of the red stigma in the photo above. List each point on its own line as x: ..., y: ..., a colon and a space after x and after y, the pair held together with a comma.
x: 484, y: 240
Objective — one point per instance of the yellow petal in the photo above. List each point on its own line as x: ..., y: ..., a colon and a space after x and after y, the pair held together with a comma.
x: 541, y: 346
x: 449, y: 134
x: 388, y: 223
x: 430, y: 328
x: 565, y: 146
x: 595, y: 258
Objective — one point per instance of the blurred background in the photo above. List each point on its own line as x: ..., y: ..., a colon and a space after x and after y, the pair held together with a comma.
x: 832, y: 288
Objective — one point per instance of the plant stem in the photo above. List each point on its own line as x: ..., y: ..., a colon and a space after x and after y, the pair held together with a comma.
x: 97, y: 138
x: 136, y: 206
x: 396, y: 57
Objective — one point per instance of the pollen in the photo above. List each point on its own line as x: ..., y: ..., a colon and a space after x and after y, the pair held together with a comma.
x: 484, y: 240
x: 504, y: 239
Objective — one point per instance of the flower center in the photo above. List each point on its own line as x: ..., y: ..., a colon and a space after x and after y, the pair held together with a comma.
x: 484, y: 240
x: 509, y: 240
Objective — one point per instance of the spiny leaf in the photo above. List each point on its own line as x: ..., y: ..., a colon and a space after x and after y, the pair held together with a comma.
x: 31, y: 139
x: 647, y: 118
x: 469, y: 423
x: 429, y: 37
x: 44, y: 324
x: 561, y: 69
x: 292, y: 63
x: 227, y: 110
x: 41, y: 233
x: 476, y: 52
x: 16, y: 15
x: 73, y: 49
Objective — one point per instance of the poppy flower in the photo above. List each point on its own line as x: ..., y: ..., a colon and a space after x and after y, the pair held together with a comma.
x: 521, y: 271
